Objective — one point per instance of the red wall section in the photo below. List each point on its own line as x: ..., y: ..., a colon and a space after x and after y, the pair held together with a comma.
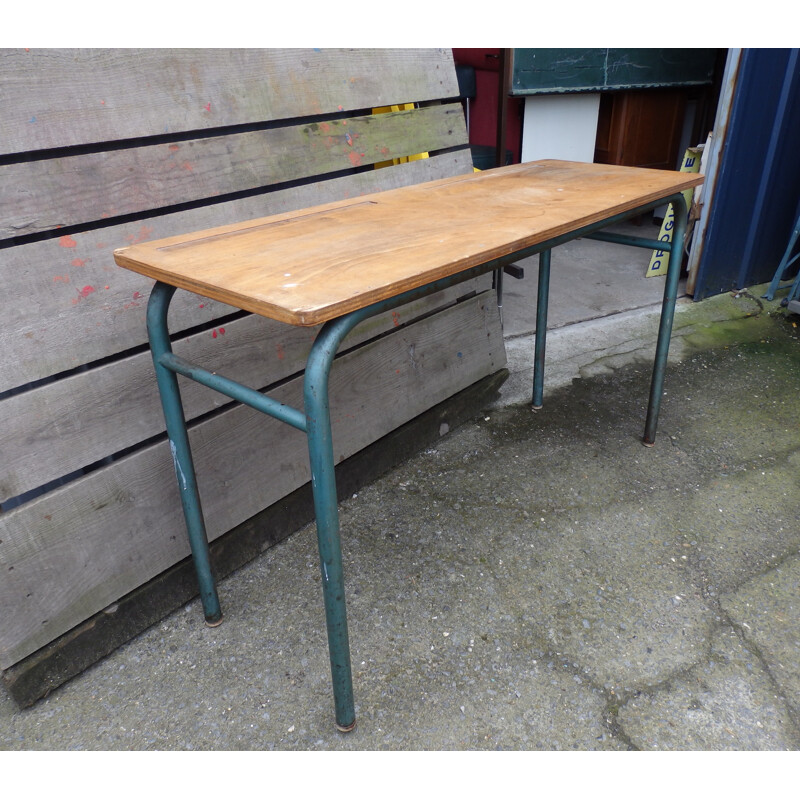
x: 483, y: 107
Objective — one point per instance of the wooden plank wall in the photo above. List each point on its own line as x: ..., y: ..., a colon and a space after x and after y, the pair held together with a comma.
x: 99, y: 148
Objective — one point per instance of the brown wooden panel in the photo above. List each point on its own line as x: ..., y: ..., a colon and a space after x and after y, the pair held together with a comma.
x: 74, y: 551
x: 42, y: 195
x: 66, y: 303
x: 79, y: 420
x: 330, y: 260
x: 63, y: 97
x: 640, y: 128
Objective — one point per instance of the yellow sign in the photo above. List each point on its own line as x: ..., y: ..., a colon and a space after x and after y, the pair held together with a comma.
x: 659, y: 261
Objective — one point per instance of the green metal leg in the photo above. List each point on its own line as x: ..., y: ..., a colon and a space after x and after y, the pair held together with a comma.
x: 665, y: 325
x: 541, y: 328
x: 157, y: 308
x: 326, y: 507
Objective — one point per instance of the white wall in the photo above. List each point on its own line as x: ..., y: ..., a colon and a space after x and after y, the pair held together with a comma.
x: 560, y: 126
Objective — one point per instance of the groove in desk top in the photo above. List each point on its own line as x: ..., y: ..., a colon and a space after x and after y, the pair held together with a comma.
x: 269, y: 222
x: 341, y: 256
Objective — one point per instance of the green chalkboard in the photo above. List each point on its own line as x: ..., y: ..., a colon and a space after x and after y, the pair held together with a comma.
x: 555, y: 71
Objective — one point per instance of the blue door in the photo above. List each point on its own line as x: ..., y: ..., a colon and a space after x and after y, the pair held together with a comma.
x: 757, y: 198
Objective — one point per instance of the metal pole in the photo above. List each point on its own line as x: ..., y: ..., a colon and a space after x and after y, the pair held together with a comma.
x: 506, y: 55
x: 541, y: 329
x: 326, y: 507
x: 157, y: 308
x: 665, y: 325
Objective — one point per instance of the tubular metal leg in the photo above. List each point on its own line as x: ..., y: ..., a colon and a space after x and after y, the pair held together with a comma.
x: 541, y: 328
x: 157, y: 308
x: 665, y: 325
x: 326, y: 507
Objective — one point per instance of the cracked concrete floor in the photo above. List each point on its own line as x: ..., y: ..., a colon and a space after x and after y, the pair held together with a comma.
x: 533, y: 582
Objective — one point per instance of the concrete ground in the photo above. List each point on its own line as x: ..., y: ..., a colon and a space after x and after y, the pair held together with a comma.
x: 533, y: 581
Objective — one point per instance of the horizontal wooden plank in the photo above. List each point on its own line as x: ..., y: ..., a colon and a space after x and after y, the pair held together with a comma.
x: 333, y: 259
x: 72, y: 552
x: 64, y: 97
x: 66, y: 303
x: 43, y: 195
x: 81, y: 419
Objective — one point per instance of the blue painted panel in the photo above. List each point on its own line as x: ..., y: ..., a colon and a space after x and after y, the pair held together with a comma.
x: 758, y: 187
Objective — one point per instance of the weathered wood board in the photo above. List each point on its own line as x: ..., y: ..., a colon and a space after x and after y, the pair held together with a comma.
x: 81, y: 419
x: 66, y: 97
x: 68, y: 304
x: 63, y: 191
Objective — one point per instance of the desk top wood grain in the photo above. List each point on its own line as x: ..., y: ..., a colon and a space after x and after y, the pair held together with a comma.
x: 309, y: 266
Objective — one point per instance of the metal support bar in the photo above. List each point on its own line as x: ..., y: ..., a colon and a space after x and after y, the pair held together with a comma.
x: 497, y: 285
x: 794, y: 292
x: 542, y: 297
x: 667, y: 314
x: 157, y: 308
x: 632, y: 241
x: 326, y: 508
x: 506, y: 57
x: 785, y: 262
x: 236, y: 391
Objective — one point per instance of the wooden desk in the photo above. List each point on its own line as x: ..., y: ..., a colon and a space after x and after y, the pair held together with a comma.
x: 343, y: 262
x: 314, y: 265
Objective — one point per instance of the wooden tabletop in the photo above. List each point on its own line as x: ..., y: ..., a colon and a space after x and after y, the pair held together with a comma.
x: 309, y: 266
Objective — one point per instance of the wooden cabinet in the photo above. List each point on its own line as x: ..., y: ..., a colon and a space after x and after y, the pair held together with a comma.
x: 640, y: 128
